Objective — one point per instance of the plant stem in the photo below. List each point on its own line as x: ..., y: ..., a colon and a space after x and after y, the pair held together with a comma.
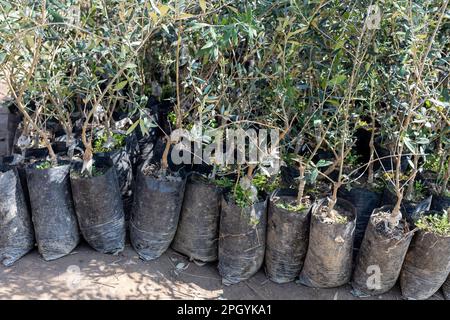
x: 302, y: 182
x: 237, y: 180
x: 410, y: 190
x: 250, y: 170
x: 370, y: 174
x: 395, y: 218
x: 164, y: 161
x: 398, y: 191
x: 333, y: 200
x: 178, y: 110
x: 446, y: 178
x: 442, y: 158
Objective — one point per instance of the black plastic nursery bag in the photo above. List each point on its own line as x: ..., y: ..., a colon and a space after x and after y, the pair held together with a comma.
x: 53, y: 215
x: 16, y: 229
x: 99, y: 208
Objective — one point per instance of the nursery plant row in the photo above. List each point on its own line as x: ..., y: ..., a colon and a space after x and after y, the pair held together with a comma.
x: 350, y: 186
x: 200, y: 218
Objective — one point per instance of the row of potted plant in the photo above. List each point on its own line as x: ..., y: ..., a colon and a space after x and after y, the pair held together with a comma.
x: 361, y: 104
x: 226, y: 218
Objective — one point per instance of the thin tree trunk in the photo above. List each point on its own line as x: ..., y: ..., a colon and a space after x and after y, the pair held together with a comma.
x: 446, y: 178
x: 164, y: 159
x: 399, y: 193
x: 302, y: 182
x: 410, y: 190
x: 370, y: 174
x: 333, y: 200
x: 250, y: 170
x: 29, y: 119
x: 19, y: 96
x: 396, y: 214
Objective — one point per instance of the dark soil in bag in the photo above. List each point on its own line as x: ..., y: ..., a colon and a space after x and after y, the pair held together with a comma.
x: 328, y: 262
x: 440, y: 203
x: 53, y: 215
x: 16, y: 229
x: 381, y: 255
x: 426, y: 266
x: 365, y: 201
x: 242, y: 237
x: 411, y: 210
x: 155, y: 214
x: 287, y: 238
x: 446, y: 288
x: 99, y: 208
x: 198, y: 229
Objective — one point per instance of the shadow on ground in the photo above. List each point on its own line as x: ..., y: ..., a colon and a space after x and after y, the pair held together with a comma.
x: 86, y: 274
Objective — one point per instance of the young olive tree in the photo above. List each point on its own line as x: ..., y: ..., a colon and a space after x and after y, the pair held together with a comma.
x: 347, y: 46
x: 107, y: 49
x: 25, y: 31
x: 413, y: 76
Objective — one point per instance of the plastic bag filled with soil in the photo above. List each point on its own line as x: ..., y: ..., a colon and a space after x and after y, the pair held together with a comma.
x: 198, y: 229
x: 287, y: 237
x: 242, y: 237
x: 328, y: 261
x: 99, y: 207
x: 365, y: 201
x: 21, y: 162
x: 426, y: 266
x: 53, y: 215
x: 411, y: 210
x: 381, y: 255
x: 155, y: 214
x: 446, y: 288
x: 16, y: 229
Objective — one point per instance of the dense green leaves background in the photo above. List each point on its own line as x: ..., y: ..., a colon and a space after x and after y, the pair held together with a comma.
x: 310, y: 68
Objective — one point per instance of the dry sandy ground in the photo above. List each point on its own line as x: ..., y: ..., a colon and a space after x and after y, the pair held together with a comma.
x: 86, y: 274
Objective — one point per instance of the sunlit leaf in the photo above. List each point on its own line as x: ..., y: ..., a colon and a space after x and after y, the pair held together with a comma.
x: 323, y: 163
x: 133, y: 127
x: 120, y: 85
x: 202, y: 4
x: 209, y: 44
x: 163, y: 9
x: 185, y: 16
